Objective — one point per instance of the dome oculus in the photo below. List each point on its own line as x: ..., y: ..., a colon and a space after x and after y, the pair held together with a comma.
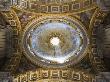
x: 55, y: 42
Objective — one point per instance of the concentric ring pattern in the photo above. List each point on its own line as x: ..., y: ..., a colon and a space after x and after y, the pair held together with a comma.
x: 55, y: 42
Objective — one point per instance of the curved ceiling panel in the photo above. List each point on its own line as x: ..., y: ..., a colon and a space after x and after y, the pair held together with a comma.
x: 55, y: 42
x: 54, y: 6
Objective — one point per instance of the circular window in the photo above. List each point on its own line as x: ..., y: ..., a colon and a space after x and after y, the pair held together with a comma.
x: 55, y: 42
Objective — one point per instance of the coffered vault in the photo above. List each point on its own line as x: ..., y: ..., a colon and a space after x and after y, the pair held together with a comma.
x: 54, y: 40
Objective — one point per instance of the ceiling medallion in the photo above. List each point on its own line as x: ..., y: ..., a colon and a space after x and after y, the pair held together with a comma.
x: 55, y: 41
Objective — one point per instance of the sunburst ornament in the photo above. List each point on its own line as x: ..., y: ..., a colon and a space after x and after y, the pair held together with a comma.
x: 55, y: 42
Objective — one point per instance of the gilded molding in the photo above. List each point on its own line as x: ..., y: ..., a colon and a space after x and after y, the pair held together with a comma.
x: 12, y: 64
x: 58, y: 75
x: 96, y: 61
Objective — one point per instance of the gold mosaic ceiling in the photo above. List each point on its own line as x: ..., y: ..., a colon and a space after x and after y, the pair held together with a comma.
x: 54, y: 6
x: 36, y: 23
x: 70, y: 50
x: 29, y: 11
